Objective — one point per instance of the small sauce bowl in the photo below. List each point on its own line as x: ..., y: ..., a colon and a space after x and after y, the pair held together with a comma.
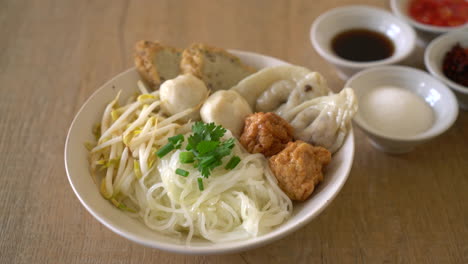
x: 440, y: 98
x: 434, y: 56
x: 341, y: 19
x: 425, y: 31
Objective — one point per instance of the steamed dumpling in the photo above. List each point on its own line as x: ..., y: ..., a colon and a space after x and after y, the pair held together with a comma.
x: 274, y: 96
x: 269, y: 88
x: 323, y: 121
x: 313, y: 85
x: 183, y: 92
x: 226, y: 108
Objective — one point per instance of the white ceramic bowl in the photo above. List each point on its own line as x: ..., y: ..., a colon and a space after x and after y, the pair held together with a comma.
x: 434, y: 56
x: 435, y: 93
x: 88, y: 193
x: 427, y: 32
x: 340, y: 19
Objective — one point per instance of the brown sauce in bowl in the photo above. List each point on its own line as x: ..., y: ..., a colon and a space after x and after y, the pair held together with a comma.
x: 362, y: 45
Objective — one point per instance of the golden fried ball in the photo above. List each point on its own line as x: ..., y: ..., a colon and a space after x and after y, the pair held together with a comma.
x: 298, y: 168
x: 266, y: 133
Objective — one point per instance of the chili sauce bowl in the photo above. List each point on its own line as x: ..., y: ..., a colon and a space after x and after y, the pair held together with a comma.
x: 341, y: 19
x: 440, y: 99
x: 425, y: 31
x: 434, y: 56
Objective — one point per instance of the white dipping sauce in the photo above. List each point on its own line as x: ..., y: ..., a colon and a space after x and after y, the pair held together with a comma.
x: 396, y: 112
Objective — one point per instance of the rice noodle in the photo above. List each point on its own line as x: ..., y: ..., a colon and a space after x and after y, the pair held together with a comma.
x: 235, y: 204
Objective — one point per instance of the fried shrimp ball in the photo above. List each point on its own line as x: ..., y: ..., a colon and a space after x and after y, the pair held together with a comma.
x: 298, y: 168
x: 266, y: 133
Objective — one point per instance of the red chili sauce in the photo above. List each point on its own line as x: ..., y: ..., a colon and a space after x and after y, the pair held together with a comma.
x: 442, y: 13
x: 455, y: 65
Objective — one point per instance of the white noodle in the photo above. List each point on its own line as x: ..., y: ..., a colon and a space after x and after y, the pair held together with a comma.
x: 234, y: 205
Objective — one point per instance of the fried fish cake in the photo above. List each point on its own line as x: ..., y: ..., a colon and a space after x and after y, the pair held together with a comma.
x: 266, y: 133
x: 156, y: 62
x: 299, y: 168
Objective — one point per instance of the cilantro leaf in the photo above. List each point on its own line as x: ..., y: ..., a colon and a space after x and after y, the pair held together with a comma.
x: 207, y: 146
x: 216, y: 132
x: 205, y: 149
x: 193, y: 141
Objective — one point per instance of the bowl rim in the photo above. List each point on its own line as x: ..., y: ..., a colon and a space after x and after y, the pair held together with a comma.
x: 453, y: 113
x: 398, y: 10
x: 396, y: 57
x: 205, y: 250
x: 431, y: 65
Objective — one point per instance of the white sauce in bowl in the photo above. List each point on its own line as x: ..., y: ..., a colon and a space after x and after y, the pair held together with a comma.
x: 395, y: 111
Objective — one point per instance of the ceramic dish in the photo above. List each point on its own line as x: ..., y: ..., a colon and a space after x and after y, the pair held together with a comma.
x: 400, y: 8
x: 436, y: 94
x: 433, y: 58
x: 340, y: 19
x: 88, y: 193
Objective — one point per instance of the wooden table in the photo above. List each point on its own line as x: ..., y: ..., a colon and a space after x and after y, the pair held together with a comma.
x: 410, y: 208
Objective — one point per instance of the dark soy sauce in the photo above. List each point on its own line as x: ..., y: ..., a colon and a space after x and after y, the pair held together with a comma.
x: 362, y: 45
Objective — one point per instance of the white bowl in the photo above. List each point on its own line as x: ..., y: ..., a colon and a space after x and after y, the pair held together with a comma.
x: 427, y: 32
x: 435, y: 93
x: 88, y: 193
x: 434, y: 56
x: 340, y: 19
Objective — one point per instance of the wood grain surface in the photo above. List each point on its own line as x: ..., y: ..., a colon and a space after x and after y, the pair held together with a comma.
x: 54, y: 54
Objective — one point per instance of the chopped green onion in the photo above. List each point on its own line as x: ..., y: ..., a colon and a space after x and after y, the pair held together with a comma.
x: 200, y: 184
x: 208, y: 161
x: 165, y: 149
x: 182, y: 172
x: 186, y: 157
x: 205, y: 148
x: 176, y: 141
x: 232, y: 163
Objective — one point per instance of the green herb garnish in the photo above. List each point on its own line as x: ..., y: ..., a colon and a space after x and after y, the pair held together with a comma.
x: 186, y: 157
x: 205, y: 149
x: 200, y: 184
x: 182, y: 172
x: 165, y: 149
x: 207, y: 146
x: 176, y: 141
x: 232, y: 163
x: 204, y: 132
